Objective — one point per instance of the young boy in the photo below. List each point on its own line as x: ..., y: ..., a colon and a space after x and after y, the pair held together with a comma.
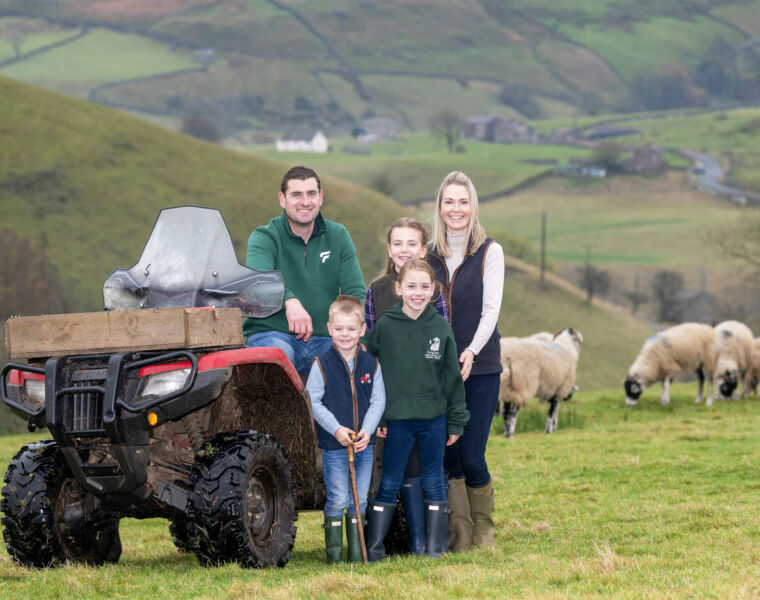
x: 347, y: 397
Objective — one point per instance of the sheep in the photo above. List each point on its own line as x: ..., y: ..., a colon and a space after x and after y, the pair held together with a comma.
x: 684, y: 347
x: 535, y: 368
x: 735, y: 358
x: 753, y: 376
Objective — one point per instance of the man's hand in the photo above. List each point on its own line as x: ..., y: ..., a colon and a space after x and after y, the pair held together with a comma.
x: 382, y: 432
x: 299, y: 321
x: 343, y: 435
x: 453, y: 437
x: 466, y: 359
x: 361, y: 441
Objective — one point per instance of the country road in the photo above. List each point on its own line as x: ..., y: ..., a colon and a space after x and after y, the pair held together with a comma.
x: 706, y: 175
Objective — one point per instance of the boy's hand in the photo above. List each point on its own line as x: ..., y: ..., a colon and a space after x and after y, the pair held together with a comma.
x: 361, y: 441
x: 453, y: 437
x: 343, y: 435
x: 382, y: 432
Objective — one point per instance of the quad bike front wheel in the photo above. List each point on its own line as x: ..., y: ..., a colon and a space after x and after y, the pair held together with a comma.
x: 242, y: 507
x: 48, y: 518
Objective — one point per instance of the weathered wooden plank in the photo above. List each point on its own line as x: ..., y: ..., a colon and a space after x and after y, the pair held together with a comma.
x: 119, y: 331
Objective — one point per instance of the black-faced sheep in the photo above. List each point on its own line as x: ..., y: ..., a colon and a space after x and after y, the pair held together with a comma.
x: 685, y: 347
x: 538, y: 369
x: 735, y: 358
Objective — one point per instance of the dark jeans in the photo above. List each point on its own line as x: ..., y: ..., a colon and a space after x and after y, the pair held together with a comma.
x: 467, y: 457
x: 431, y: 434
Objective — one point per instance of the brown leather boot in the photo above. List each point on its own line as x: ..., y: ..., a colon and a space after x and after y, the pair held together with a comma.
x: 481, y: 510
x: 461, y: 523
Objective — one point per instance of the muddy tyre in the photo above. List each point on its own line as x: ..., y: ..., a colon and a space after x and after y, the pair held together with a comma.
x: 39, y: 531
x: 242, y: 506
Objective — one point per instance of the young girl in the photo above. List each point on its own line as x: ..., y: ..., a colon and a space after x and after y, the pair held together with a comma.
x: 407, y: 238
x: 424, y: 402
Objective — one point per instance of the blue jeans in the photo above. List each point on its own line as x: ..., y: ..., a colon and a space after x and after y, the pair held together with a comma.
x: 338, y: 480
x: 467, y: 457
x: 431, y: 434
x: 299, y: 352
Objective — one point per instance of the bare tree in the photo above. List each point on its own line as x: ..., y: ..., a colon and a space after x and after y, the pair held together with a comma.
x: 594, y: 281
x: 665, y: 288
x: 446, y: 124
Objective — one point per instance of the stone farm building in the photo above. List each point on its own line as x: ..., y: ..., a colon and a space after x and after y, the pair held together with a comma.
x: 302, y: 140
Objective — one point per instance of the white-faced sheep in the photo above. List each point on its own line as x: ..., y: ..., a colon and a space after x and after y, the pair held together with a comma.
x: 685, y: 347
x: 538, y: 369
x: 754, y: 373
x: 735, y: 358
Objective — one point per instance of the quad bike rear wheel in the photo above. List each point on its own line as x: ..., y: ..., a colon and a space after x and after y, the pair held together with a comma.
x: 48, y: 518
x: 242, y: 507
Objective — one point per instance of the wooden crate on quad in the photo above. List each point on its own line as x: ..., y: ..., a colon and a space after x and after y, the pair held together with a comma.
x: 122, y: 330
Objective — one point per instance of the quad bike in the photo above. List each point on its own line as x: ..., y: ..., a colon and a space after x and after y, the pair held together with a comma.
x: 213, y: 436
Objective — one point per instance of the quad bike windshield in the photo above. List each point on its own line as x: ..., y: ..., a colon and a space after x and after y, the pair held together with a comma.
x: 189, y: 261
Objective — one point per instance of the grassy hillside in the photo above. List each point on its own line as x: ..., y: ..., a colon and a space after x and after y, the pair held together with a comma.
x: 619, y: 502
x: 280, y: 62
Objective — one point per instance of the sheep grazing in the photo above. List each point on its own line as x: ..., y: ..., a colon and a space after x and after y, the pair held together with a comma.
x: 735, y: 358
x: 685, y: 347
x: 753, y: 376
x: 536, y: 368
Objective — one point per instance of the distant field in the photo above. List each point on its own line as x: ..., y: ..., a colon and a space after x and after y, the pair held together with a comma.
x: 619, y: 502
x: 99, y: 57
x: 416, y: 164
x: 623, y: 220
x: 32, y: 41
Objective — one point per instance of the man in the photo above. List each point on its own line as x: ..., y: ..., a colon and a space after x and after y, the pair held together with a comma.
x: 318, y: 262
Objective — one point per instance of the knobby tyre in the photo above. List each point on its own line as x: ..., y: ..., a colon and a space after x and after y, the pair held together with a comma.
x: 242, y: 505
x: 48, y: 518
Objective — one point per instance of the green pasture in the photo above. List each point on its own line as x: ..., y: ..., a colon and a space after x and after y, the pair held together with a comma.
x: 29, y: 42
x: 624, y: 220
x: 415, y: 165
x: 99, y: 57
x: 622, y: 502
x: 649, y: 44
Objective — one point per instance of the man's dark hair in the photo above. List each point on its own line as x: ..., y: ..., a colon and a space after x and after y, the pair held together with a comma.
x: 301, y: 173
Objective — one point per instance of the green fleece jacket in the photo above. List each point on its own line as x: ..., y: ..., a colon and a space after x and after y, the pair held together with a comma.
x: 315, y: 272
x: 420, y: 367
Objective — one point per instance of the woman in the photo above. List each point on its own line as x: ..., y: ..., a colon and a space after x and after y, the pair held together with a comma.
x: 471, y: 267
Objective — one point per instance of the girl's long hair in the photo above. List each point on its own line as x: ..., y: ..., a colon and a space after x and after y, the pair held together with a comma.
x: 475, y: 232
x: 410, y: 223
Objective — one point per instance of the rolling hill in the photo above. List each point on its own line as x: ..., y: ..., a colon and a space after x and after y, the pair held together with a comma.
x: 270, y: 64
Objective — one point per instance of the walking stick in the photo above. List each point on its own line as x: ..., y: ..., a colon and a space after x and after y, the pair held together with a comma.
x: 359, y: 523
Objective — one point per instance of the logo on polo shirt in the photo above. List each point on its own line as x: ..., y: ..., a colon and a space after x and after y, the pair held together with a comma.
x: 324, y: 255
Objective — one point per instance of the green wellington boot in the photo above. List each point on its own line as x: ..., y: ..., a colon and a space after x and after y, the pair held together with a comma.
x: 461, y: 522
x: 352, y: 537
x: 333, y: 539
x: 481, y: 509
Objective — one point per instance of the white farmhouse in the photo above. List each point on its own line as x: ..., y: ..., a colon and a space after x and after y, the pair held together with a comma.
x: 302, y: 140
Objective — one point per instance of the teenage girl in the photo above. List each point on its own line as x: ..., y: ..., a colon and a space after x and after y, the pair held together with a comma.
x: 407, y: 238
x: 424, y: 403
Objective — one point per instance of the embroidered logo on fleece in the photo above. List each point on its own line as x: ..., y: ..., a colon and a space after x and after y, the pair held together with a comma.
x: 324, y: 255
x: 434, y: 350
x: 366, y: 378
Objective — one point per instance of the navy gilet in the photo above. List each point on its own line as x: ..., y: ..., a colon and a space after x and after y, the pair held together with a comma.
x: 338, y: 398
x: 464, y: 294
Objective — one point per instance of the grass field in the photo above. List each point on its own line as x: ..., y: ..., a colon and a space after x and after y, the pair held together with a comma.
x: 415, y: 164
x: 99, y: 57
x: 643, y: 502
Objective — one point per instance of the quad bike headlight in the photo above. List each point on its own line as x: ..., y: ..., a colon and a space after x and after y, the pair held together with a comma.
x: 34, y: 393
x: 164, y: 383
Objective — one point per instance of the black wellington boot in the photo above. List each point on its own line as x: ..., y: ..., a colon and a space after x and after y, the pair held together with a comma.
x: 414, y: 506
x: 379, y: 517
x: 436, y: 525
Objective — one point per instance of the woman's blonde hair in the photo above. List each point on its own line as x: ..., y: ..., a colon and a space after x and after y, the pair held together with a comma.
x: 475, y: 232
x: 409, y: 223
